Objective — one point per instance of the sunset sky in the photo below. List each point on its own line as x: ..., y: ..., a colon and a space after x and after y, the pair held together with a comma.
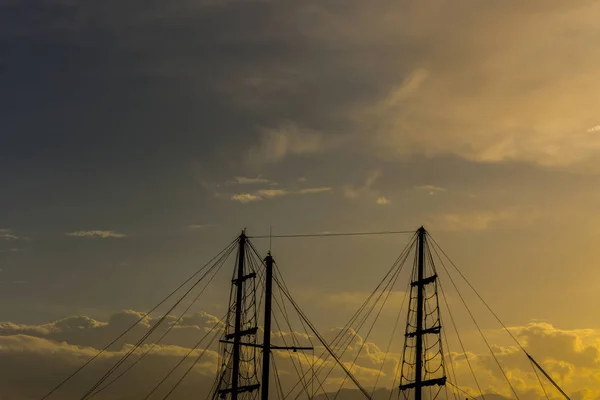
x: 139, y: 138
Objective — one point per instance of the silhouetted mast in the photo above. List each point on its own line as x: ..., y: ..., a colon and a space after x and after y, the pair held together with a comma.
x: 238, y: 317
x: 420, y: 306
x: 267, y: 336
x: 415, y: 373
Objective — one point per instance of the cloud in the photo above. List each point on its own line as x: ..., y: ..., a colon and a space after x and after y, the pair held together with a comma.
x: 241, y: 180
x: 288, y: 139
x: 383, y: 201
x: 32, y: 366
x: 7, y: 234
x: 272, y: 193
x: 352, y: 191
x: 478, y: 220
x: 13, y: 250
x: 96, y: 234
x: 267, y: 193
x: 35, y: 357
x: 314, y: 190
x: 245, y: 197
x: 200, y: 226
x: 594, y: 129
x: 430, y: 189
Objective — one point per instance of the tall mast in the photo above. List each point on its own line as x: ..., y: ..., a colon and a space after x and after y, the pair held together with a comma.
x: 420, y: 306
x: 233, y: 359
x: 267, y: 336
x: 238, y: 317
x: 417, y: 369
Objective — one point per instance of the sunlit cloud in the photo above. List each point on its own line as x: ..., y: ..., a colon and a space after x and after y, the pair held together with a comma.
x: 594, y: 129
x: 288, y: 139
x: 200, y: 226
x: 314, y: 190
x: 383, y: 201
x: 7, y: 234
x: 431, y: 189
x: 273, y: 193
x: 267, y: 193
x: 242, y: 180
x: 245, y: 197
x: 96, y: 234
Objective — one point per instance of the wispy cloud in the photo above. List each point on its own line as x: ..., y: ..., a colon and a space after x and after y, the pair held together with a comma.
x: 431, y: 189
x: 479, y: 220
x: 272, y: 193
x: 351, y: 191
x: 96, y: 234
x: 13, y: 250
x: 288, y: 139
x: 7, y: 234
x: 314, y: 190
x: 594, y: 129
x: 267, y: 193
x: 383, y: 201
x: 245, y: 197
x: 200, y: 226
x: 242, y: 180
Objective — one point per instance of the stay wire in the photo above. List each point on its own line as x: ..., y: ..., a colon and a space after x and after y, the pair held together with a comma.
x: 537, y: 375
x: 330, y: 234
x: 491, y: 311
x: 176, y: 323
x: 391, y: 288
x: 479, y: 330
x: 185, y: 357
x: 323, y: 342
x: 461, y: 390
x: 340, y: 336
x: 391, y: 340
x: 387, y: 350
x: 344, y: 341
x: 62, y: 383
x: 284, y: 313
x: 143, y: 339
x: 460, y: 340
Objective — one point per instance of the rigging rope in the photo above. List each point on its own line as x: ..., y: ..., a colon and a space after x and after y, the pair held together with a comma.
x: 391, y: 285
x: 323, y: 342
x: 176, y: 323
x: 191, y: 366
x: 389, y: 345
x: 338, y: 338
x: 461, y: 342
x: 479, y: 329
x: 72, y: 375
x: 331, y: 234
x: 494, y: 315
x: 150, y: 331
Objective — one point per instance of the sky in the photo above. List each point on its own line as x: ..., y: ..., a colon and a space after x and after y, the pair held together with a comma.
x: 139, y: 138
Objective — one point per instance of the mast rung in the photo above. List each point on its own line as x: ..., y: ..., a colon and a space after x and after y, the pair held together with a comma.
x: 260, y: 346
x: 251, y: 331
x: 245, y: 278
x: 241, y: 389
x: 430, y: 382
x: 435, y: 329
x: 424, y: 281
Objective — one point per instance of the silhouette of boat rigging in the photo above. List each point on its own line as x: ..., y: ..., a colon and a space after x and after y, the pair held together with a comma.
x: 247, y: 368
